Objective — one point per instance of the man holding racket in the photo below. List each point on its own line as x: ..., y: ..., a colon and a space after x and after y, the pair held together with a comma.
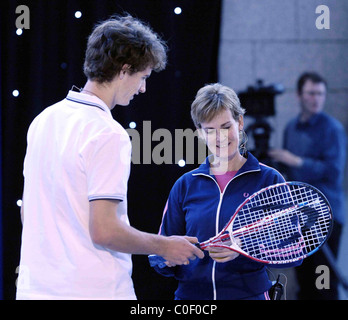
x: 202, y: 201
x: 76, y: 240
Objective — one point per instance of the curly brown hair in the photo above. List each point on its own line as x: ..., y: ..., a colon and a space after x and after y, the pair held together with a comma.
x: 123, y: 40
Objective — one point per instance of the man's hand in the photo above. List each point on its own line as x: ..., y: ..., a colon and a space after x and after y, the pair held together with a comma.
x: 180, y: 250
x: 286, y: 157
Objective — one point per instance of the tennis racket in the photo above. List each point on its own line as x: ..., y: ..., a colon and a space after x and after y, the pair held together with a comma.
x: 279, y: 224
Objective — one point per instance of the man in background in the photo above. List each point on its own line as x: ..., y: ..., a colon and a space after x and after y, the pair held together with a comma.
x: 315, y: 152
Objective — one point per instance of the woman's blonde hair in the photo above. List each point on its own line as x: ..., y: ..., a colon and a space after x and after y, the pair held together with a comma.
x: 211, y: 100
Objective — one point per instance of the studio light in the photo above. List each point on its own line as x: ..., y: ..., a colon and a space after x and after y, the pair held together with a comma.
x: 177, y: 10
x: 132, y: 125
x: 181, y: 163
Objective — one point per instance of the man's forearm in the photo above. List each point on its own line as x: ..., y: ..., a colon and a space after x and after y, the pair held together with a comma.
x: 108, y: 231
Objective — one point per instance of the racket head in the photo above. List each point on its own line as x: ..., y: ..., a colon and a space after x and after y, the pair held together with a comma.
x: 279, y: 224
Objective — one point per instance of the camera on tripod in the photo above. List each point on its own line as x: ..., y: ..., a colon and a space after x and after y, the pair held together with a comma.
x: 259, y: 103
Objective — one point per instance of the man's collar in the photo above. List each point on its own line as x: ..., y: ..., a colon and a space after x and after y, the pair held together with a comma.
x: 309, y: 122
x: 88, y: 100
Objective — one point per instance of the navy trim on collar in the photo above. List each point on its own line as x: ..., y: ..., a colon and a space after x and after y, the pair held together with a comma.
x: 85, y: 102
x: 91, y: 101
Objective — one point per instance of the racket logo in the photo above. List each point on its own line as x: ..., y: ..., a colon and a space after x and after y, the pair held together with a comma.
x: 283, y: 253
x: 246, y: 194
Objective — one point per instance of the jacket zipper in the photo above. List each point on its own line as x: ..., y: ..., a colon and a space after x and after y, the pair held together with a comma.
x: 216, y: 229
x: 216, y: 232
x: 217, y: 218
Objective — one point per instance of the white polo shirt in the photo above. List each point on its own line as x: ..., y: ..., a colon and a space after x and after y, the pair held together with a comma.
x: 76, y: 153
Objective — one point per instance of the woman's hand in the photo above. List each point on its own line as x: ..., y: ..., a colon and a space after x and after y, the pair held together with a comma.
x: 221, y: 255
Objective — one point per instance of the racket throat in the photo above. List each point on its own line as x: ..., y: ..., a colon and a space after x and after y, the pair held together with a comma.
x: 223, y: 240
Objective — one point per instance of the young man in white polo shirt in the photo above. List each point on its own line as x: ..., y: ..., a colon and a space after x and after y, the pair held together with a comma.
x: 77, y: 241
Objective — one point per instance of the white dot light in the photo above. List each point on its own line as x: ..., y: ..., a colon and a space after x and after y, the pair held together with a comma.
x: 181, y: 163
x: 177, y: 10
x: 15, y: 93
x: 19, y: 32
x: 132, y: 125
x: 78, y: 14
x: 19, y: 203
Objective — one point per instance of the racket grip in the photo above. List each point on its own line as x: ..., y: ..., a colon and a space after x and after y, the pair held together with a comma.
x: 158, y: 261
x: 198, y: 245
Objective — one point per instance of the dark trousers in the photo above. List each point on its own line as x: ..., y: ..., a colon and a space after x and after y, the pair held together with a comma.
x: 307, y: 276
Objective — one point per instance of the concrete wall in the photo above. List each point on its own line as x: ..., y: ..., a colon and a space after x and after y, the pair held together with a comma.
x: 276, y: 40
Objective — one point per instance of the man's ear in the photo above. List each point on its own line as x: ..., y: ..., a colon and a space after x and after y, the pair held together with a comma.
x: 124, y: 70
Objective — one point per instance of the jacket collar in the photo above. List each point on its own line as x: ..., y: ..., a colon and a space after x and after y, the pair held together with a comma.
x: 252, y: 164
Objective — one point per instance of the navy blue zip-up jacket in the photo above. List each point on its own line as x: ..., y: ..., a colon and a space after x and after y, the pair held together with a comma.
x: 197, y: 207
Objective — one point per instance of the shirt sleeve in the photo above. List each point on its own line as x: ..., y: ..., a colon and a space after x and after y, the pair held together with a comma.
x: 107, y: 166
x: 173, y: 220
x: 173, y: 223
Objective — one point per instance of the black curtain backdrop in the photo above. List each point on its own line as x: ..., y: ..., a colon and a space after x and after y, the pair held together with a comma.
x: 45, y: 61
x: 1, y: 250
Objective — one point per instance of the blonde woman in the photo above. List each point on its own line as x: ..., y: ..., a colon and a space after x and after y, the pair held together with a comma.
x: 202, y: 201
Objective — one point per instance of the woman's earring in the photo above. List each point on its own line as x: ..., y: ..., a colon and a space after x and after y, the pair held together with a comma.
x: 243, y: 141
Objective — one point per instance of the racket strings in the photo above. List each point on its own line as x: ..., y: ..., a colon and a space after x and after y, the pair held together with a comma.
x: 285, y: 222
x: 315, y: 225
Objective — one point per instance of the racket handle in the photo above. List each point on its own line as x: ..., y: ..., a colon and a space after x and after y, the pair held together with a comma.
x: 157, y: 261
x: 160, y: 262
x: 198, y: 245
